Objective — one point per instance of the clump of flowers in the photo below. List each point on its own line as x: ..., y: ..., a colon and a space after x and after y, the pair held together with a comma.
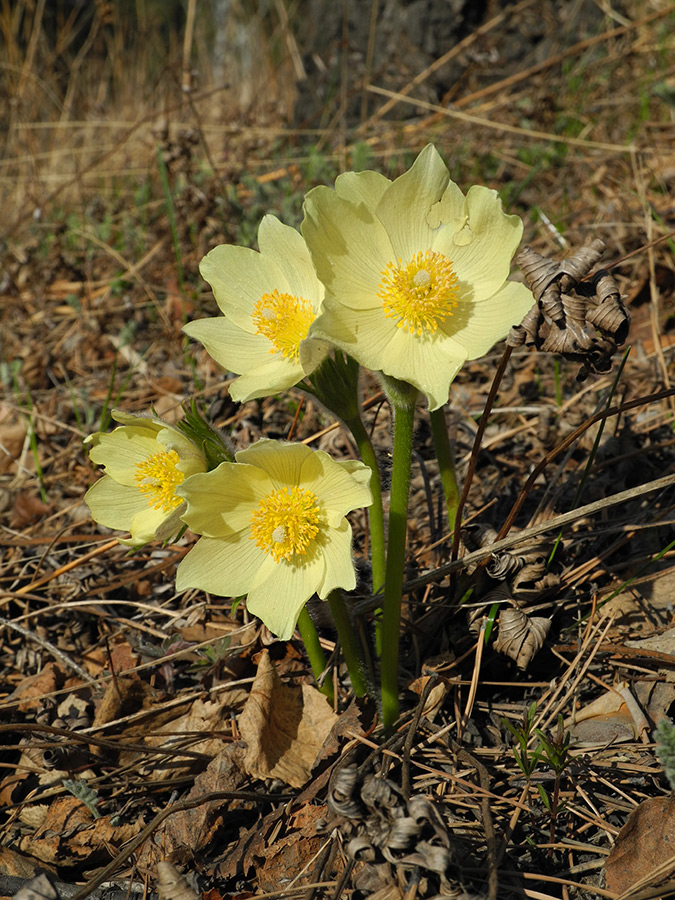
x: 145, y: 462
x: 408, y: 278
x: 273, y: 528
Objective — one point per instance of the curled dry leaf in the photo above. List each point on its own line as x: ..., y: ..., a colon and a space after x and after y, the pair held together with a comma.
x: 520, y: 636
x: 380, y: 824
x: 583, y: 320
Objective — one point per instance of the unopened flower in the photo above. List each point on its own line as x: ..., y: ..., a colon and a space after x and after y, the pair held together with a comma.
x: 145, y: 461
x: 415, y: 272
x: 268, y: 301
x: 273, y: 527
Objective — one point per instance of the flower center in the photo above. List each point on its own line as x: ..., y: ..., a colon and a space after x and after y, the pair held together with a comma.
x: 419, y: 294
x: 157, y: 477
x: 286, y: 522
x: 284, y: 319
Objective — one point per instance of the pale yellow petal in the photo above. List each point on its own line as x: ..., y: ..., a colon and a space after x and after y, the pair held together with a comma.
x: 279, y: 593
x: 121, y: 451
x: 239, y: 277
x: 405, y: 205
x: 362, y: 187
x: 220, y: 502
x: 220, y: 566
x: 286, y: 246
x: 337, y: 554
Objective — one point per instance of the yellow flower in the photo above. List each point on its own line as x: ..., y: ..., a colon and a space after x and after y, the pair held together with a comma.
x: 145, y: 461
x: 268, y: 300
x: 415, y: 272
x: 274, y: 528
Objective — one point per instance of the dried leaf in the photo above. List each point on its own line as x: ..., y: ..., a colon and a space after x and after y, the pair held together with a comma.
x: 185, y: 833
x: 28, y: 509
x: 584, y: 320
x: 642, y: 846
x: 284, y: 727
x: 280, y: 861
x: 70, y: 835
x: 20, y: 866
x: 521, y: 637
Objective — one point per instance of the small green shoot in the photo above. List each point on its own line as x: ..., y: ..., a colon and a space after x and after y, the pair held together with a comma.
x: 32, y: 436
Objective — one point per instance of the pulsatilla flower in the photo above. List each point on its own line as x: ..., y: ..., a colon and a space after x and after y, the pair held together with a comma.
x: 145, y: 460
x: 273, y: 527
x: 415, y: 272
x: 268, y: 301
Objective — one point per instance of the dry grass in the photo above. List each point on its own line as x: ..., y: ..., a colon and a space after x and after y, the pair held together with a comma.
x: 100, y: 244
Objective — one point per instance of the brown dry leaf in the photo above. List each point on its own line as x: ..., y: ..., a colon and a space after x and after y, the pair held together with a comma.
x: 610, y: 718
x: 12, y: 438
x: 185, y: 833
x: 281, y: 862
x: 644, y: 843
x: 31, y: 690
x: 199, y: 730
x: 18, y: 865
x: 662, y: 643
x: 124, y: 695
x: 70, y: 835
x: 28, y: 508
x: 123, y: 657
x: 436, y: 695
x: 284, y: 727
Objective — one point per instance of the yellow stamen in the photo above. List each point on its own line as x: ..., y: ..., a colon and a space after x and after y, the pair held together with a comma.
x: 157, y: 477
x: 286, y: 522
x: 419, y: 294
x: 284, y: 319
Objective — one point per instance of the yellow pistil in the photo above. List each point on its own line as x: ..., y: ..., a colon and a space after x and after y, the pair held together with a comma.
x: 157, y: 477
x: 286, y: 522
x: 284, y: 319
x: 419, y: 294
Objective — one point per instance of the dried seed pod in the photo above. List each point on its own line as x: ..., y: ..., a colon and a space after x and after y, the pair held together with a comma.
x: 379, y: 794
x: 521, y: 637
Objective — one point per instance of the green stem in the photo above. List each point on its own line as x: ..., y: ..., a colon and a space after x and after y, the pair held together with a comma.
x: 317, y: 660
x: 375, y: 514
x: 446, y: 463
x: 348, y: 642
x: 404, y: 417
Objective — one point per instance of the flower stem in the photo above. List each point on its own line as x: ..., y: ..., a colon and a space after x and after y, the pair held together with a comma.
x: 375, y: 515
x: 317, y: 660
x: 348, y: 642
x: 404, y: 417
x: 446, y: 463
